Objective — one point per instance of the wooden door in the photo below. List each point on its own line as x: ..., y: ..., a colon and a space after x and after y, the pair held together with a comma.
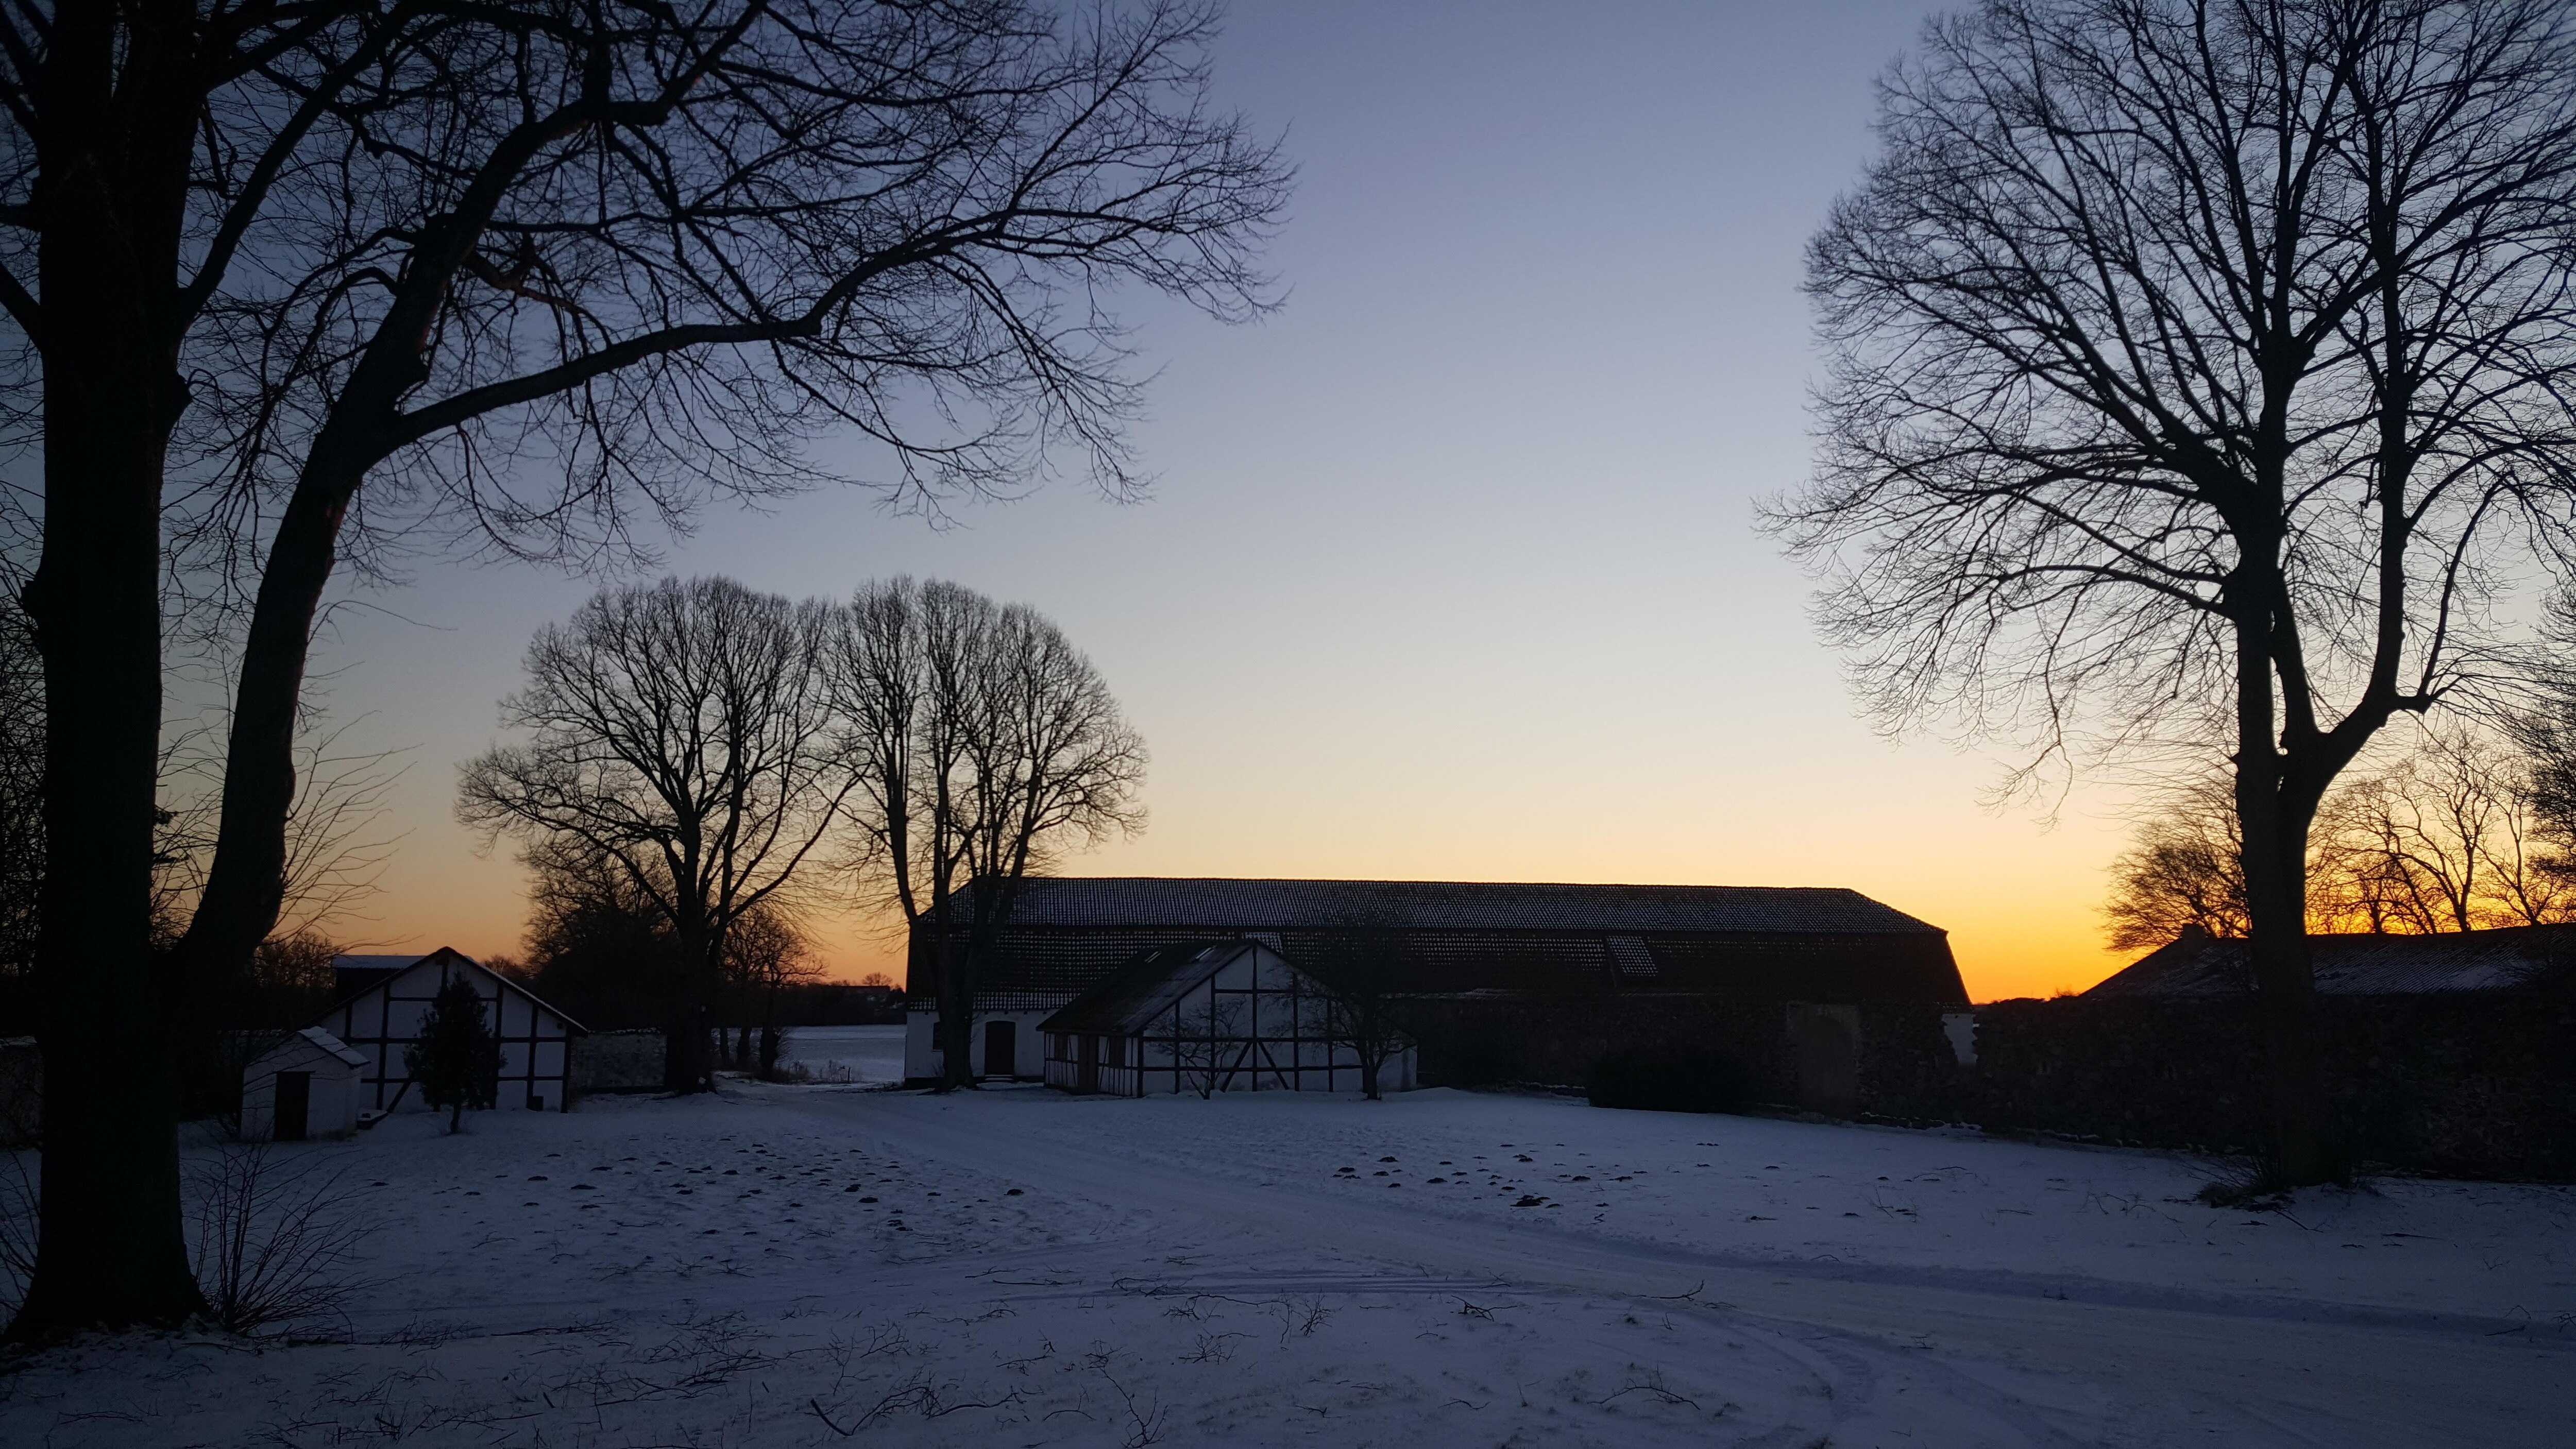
x: 1086, y: 1077
x: 1001, y: 1049
x: 293, y: 1106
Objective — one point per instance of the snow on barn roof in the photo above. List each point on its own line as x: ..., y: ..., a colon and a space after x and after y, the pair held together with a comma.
x: 2508, y: 959
x: 1144, y: 989
x: 1241, y: 905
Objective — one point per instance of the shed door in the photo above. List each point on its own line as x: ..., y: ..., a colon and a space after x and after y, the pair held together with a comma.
x: 1087, y: 1078
x: 1001, y: 1049
x: 294, y: 1106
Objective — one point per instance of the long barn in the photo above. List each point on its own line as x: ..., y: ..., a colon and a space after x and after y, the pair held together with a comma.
x: 1483, y: 941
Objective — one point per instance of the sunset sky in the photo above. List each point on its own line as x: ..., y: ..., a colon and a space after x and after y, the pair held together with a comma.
x: 1451, y: 568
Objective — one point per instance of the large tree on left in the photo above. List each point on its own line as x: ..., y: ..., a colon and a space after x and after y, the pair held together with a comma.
x: 103, y: 102
x: 295, y: 282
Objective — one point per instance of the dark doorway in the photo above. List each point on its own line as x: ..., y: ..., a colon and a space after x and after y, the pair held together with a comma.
x: 1087, y: 1077
x: 1001, y: 1049
x: 1828, y: 1049
x: 294, y: 1106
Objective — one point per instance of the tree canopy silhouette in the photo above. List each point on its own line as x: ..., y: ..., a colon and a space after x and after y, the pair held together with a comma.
x: 295, y: 282
x: 2198, y: 373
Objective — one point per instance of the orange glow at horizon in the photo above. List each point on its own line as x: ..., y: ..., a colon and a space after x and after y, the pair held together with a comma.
x: 2020, y: 904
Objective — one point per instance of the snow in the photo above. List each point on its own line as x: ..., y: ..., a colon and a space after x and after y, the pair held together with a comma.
x: 793, y: 1265
x: 853, y: 1054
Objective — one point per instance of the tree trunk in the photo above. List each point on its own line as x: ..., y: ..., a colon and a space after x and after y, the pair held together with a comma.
x: 246, y: 882
x: 686, y: 1025
x: 109, y: 1246
x: 2275, y: 860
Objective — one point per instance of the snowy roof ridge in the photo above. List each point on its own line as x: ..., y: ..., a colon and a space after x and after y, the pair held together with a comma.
x: 1145, y: 988
x: 1236, y: 904
x: 2506, y: 958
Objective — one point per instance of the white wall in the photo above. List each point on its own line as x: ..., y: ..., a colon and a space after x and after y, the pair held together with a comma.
x: 921, y: 1060
x: 332, y: 1110
x: 1276, y: 1040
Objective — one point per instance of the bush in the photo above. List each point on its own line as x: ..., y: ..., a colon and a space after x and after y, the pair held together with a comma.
x: 1670, y: 1079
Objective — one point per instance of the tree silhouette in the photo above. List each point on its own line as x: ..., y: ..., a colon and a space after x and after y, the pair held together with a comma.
x: 681, y: 736
x: 454, y: 1063
x: 2198, y: 373
x: 291, y: 283
x: 984, y: 745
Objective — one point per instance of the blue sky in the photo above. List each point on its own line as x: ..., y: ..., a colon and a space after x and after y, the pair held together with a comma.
x: 1451, y: 567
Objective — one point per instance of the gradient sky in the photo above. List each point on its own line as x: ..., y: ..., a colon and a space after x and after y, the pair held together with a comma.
x: 1451, y: 569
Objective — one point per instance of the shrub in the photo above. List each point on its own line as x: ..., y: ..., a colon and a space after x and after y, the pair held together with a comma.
x: 1670, y: 1078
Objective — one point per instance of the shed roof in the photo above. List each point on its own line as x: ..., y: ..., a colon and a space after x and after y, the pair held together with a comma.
x: 1226, y: 905
x: 1145, y: 988
x: 2508, y: 959
x: 305, y: 1043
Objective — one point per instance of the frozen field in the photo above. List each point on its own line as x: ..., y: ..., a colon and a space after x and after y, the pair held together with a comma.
x: 810, y: 1266
x: 858, y: 1054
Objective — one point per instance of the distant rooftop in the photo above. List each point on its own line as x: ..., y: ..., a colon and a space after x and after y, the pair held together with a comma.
x: 1229, y: 905
x: 2511, y: 959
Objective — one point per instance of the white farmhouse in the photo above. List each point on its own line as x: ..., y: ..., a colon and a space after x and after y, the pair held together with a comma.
x: 381, y: 1018
x: 1234, y: 1016
x: 306, y: 1086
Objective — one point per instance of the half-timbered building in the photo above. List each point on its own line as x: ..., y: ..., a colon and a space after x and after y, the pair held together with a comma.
x: 1229, y: 1016
x: 381, y: 1017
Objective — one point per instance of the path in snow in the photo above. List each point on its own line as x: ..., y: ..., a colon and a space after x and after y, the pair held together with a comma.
x: 809, y: 1266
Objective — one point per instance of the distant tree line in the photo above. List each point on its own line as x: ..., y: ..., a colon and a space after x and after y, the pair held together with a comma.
x: 2471, y: 827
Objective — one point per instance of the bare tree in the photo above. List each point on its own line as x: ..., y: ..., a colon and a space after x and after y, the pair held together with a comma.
x: 765, y: 956
x: 2185, y: 869
x: 1208, y: 1047
x: 2445, y: 839
x: 596, y: 944
x: 339, y: 270
x: 681, y: 734
x: 986, y: 746
x: 1365, y: 971
x: 2197, y: 375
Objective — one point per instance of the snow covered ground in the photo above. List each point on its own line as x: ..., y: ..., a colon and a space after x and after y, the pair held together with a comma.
x: 818, y: 1266
x: 846, y: 1054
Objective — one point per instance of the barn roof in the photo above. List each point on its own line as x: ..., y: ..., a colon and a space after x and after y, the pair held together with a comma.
x: 2508, y: 959
x: 1243, y: 905
x: 1145, y: 988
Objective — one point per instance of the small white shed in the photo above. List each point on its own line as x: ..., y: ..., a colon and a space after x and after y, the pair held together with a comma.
x: 304, y: 1087
x: 383, y: 1019
x: 1235, y: 1016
